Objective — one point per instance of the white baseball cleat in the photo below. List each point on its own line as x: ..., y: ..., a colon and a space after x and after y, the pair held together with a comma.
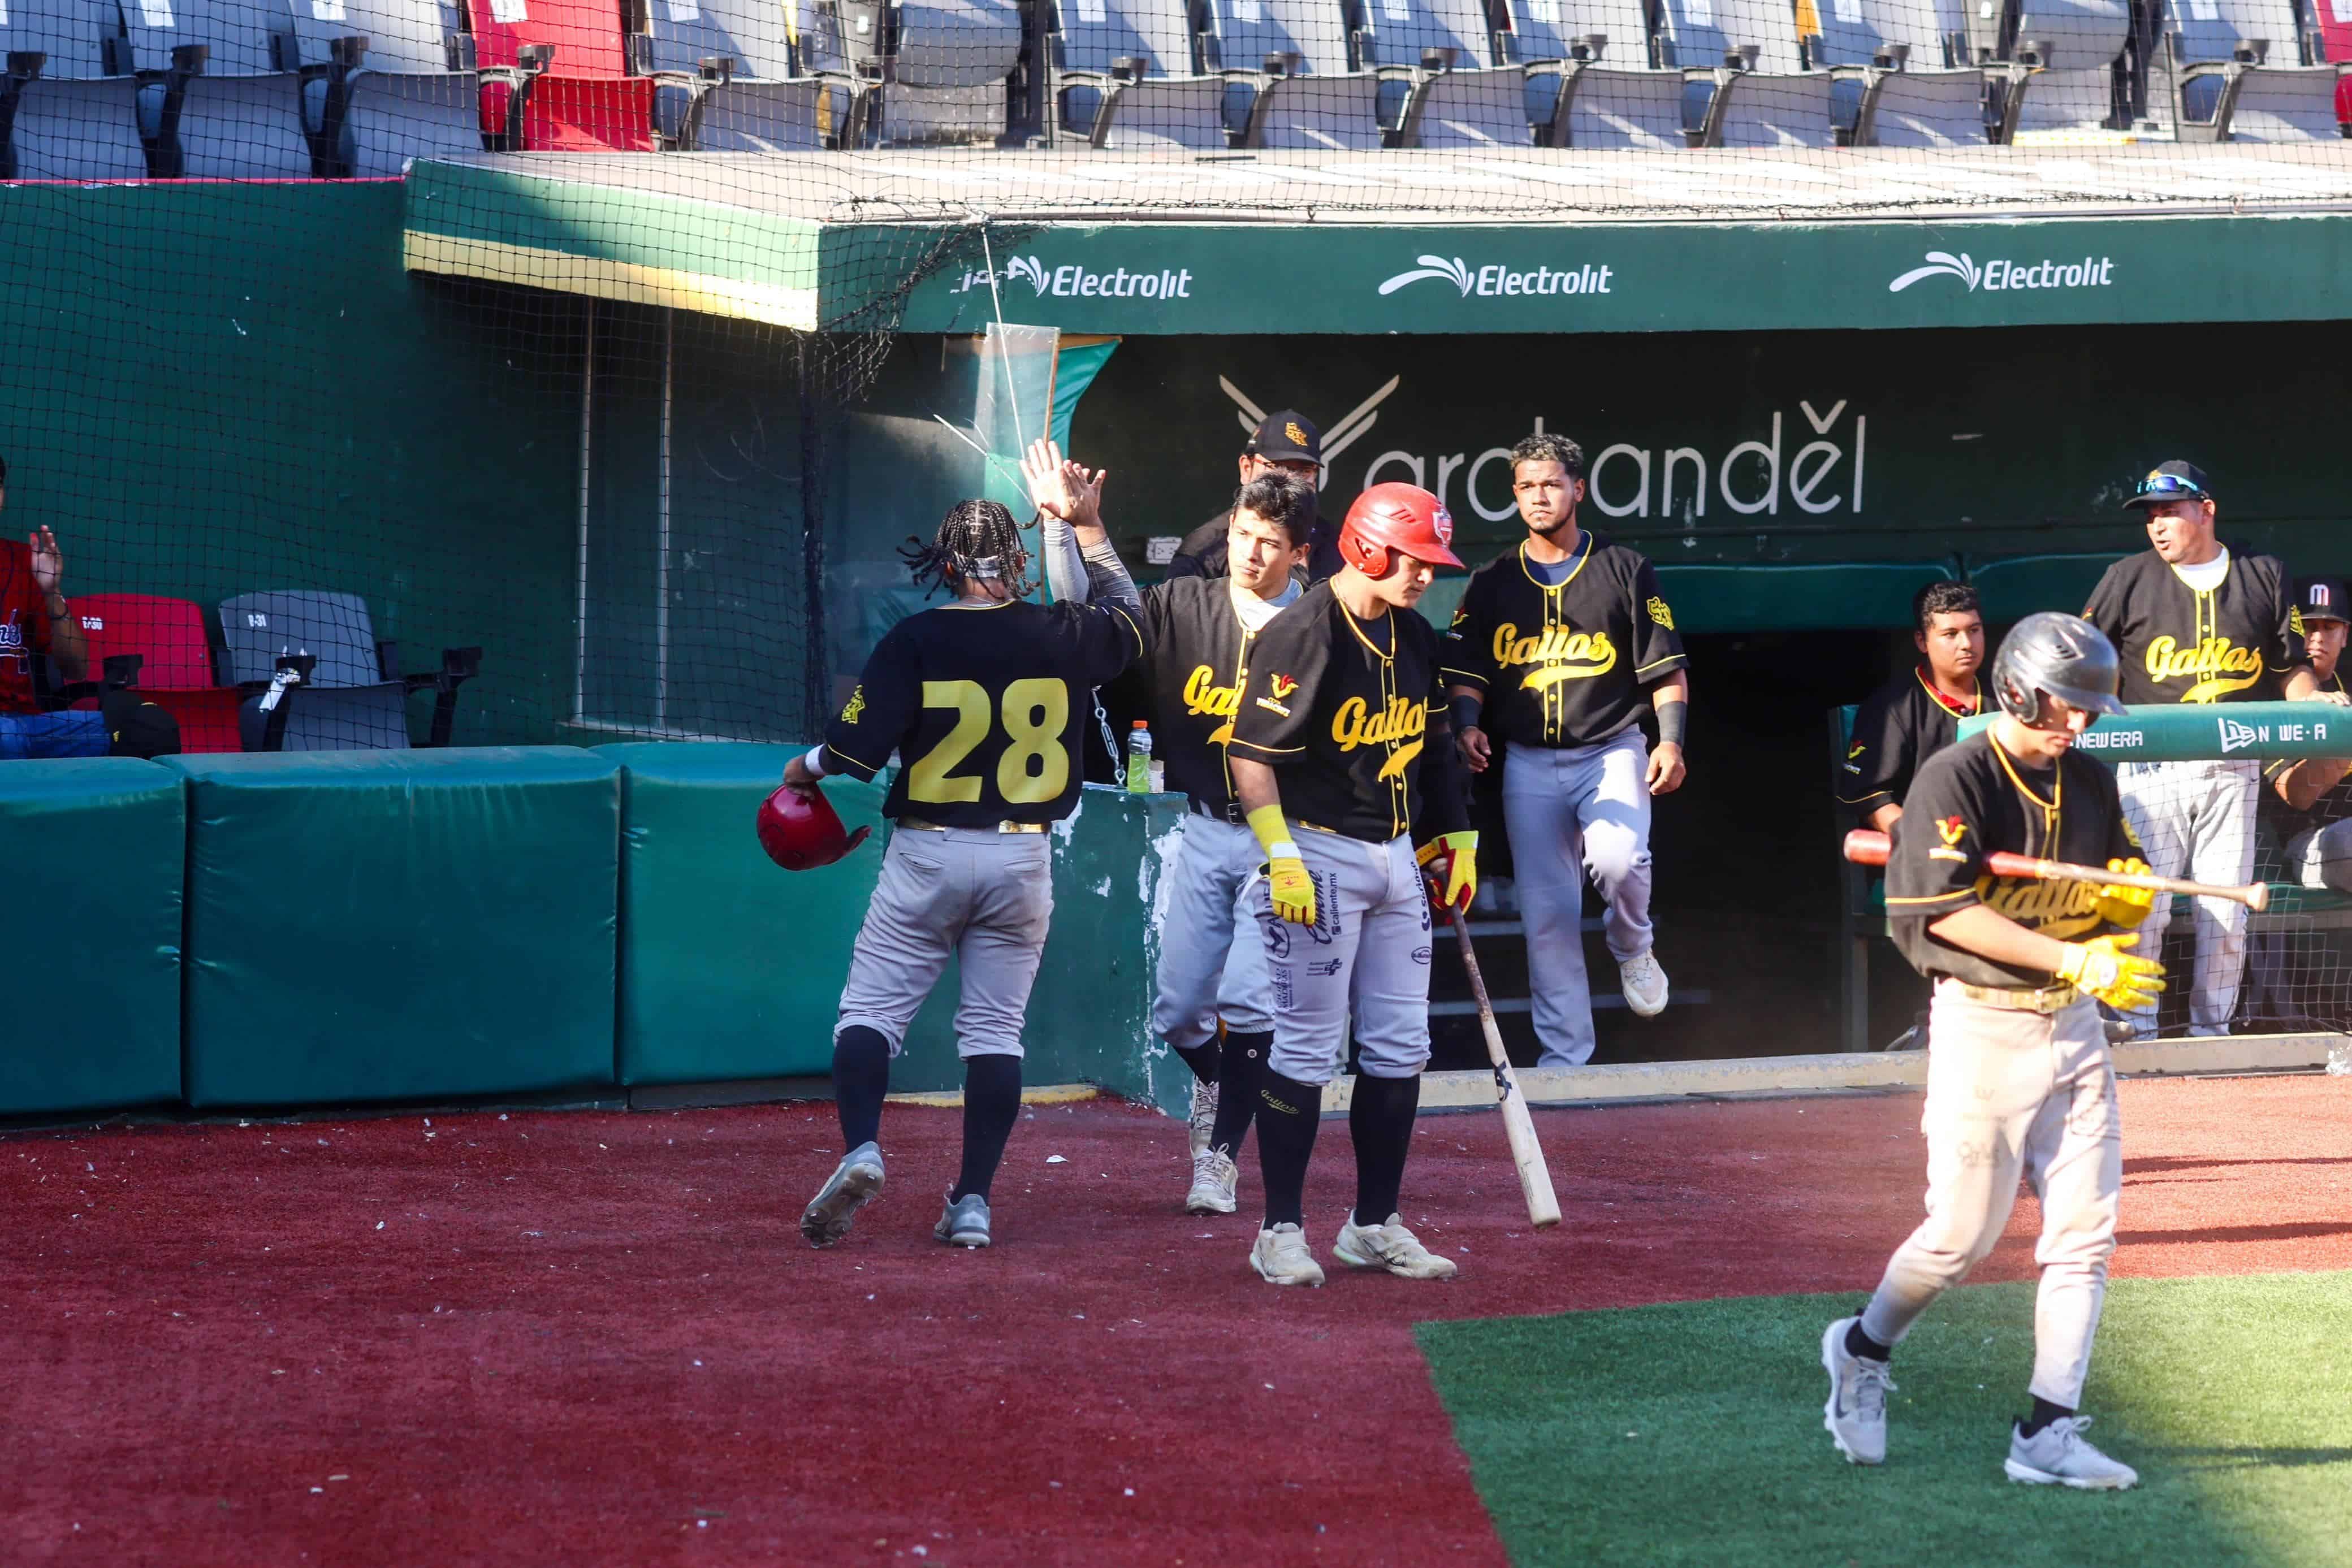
x: 1855, y: 1414
x: 1213, y: 1179
x: 1205, y: 1115
x: 855, y: 1183
x: 1390, y: 1247
x: 2058, y: 1455
x: 1645, y: 984
x: 1281, y: 1256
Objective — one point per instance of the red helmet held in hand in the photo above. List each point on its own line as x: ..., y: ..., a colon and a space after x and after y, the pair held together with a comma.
x: 1393, y: 519
x: 802, y: 832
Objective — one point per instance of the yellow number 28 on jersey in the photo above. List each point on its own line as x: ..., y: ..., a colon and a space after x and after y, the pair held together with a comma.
x: 1034, y: 766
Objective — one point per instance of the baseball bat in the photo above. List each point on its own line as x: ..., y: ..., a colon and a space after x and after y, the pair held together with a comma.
x: 1519, y: 1127
x: 1865, y: 848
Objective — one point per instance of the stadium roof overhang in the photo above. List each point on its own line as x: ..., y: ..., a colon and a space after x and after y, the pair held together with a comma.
x: 1531, y: 242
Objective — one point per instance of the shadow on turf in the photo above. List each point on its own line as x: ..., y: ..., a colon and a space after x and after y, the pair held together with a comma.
x: 2241, y: 1458
x: 2302, y: 1230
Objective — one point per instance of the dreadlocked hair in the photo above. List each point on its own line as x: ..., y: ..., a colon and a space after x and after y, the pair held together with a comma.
x: 978, y: 541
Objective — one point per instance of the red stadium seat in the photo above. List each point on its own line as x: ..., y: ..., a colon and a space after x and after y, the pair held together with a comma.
x: 586, y: 101
x: 2335, y: 23
x: 177, y: 673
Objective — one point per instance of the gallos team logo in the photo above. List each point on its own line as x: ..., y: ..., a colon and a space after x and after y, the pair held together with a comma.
x: 1950, y: 829
x: 1282, y: 686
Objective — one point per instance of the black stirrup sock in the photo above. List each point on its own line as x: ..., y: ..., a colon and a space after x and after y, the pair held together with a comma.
x: 991, y: 1104
x: 1379, y: 1118
x: 1287, y: 1114
x: 1237, y: 1083
x: 861, y: 1077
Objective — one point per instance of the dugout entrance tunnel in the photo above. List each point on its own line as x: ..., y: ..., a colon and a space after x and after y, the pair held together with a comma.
x: 1801, y: 416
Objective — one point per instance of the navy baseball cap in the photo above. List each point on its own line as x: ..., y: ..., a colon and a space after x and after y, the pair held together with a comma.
x: 1286, y: 435
x: 2169, y: 481
x: 2323, y: 598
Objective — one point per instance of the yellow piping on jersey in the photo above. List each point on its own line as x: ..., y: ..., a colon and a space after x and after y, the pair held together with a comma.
x: 1350, y: 616
x: 1936, y: 696
x: 2049, y: 808
x: 1583, y: 553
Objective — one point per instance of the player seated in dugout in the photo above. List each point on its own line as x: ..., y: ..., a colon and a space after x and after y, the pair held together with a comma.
x: 2309, y: 803
x: 35, y: 620
x: 1918, y: 713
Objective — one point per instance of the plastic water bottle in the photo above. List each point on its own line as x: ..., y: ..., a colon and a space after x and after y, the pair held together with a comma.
x: 1138, y: 759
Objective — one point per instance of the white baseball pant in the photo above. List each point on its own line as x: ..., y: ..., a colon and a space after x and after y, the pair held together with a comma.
x: 1212, y: 960
x: 986, y: 897
x: 2012, y: 1092
x: 1366, y: 955
x: 1571, y: 810
x: 2197, y: 819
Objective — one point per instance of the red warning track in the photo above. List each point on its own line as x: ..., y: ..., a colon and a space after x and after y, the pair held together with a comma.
x: 597, y: 1338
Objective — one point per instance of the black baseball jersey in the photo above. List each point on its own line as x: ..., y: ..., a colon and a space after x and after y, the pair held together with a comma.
x: 1972, y: 799
x: 1900, y: 726
x: 985, y: 709
x: 2235, y: 644
x: 1564, y: 666
x: 2332, y: 806
x: 1203, y: 551
x: 1352, y: 713
x: 1195, y: 653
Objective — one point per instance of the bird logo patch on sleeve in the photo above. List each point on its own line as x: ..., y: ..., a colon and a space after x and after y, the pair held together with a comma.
x: 1660, y: 614
x: 856, y: 704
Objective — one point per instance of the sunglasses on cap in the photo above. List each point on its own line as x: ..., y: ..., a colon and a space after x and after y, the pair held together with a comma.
x: 2166, y: 484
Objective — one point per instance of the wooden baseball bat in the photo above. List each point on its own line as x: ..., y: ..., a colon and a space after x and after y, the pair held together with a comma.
x: 1865, y: 848
x: 1519, y: 1127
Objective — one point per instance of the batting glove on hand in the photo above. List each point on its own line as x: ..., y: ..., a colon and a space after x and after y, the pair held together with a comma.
x: 2102, y: 968
x: 1450, y: 862
x: 2126, y: 906
x: 1292, y: 888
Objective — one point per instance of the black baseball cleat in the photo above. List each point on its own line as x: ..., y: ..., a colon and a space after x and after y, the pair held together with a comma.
x: 855, y: 1183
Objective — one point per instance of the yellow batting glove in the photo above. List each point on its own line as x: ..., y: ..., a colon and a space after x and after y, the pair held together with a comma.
x: 1285, y: 872
x: 2120, y: 980
x: 2126, y: 906
x: 1453, y: 881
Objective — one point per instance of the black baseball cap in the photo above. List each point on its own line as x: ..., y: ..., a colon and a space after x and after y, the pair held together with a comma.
x: 2323, y: 598
x: 1286, y: 435
x: 2168, y: 481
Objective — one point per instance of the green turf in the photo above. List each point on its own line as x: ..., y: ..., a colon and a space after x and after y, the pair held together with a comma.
x: 1692, y: 1433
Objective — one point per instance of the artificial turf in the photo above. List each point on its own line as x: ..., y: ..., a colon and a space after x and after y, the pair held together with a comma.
x: 1691, y: 1433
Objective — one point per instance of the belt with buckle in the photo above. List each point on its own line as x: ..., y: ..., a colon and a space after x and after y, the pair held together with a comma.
x: 2047, y: 999
x: 1231, y: 811
x: 921, y: 826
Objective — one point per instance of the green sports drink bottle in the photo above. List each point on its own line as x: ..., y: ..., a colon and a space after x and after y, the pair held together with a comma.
x: 1138, y: 759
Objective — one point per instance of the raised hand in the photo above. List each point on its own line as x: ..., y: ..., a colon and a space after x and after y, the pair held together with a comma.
x: 48, y: 561
x: 1061, y: 488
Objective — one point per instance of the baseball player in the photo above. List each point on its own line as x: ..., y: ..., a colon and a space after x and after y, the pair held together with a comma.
x: 1341, y: 757
x: 2195, y: 622
x: 981, y: 700
x: 1918, y: 713
x: 1555, y: 652
x: 1285, y: 442
x: 2312, y: 806
x: 1197, y: 633
x: 2019, y: 1080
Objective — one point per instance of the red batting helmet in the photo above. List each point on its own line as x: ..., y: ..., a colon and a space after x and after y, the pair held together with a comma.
x: 1396, y: 519
x: 800, y: 832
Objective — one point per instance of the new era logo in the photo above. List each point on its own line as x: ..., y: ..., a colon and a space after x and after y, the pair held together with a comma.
x: 2236, y: 737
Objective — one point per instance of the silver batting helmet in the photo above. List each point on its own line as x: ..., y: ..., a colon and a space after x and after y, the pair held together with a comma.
x: 2062, y: 655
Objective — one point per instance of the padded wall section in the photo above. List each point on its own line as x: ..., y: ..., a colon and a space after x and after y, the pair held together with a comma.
x: 730, y: 965
x: 399, y: 925
x: 95, y: 851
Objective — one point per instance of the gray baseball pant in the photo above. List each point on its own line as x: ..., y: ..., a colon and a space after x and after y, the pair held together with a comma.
x: 2012, y: 1092
x: 2322, y: 857
x: 986, y: 897
x: 1570, y: 811
x: 2197, y: 819
x: 1366, y: 955
x: 1205, y: 972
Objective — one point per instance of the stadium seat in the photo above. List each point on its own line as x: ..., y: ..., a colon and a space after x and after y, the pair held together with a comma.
x: 1909, y: 61
x: 1126, y: 75
x: 1466, y: 95
x: 1602, y: 86
x: 227, y: 102
x: 388, y: 80
x: 175, y: 670
x: 2331, y: 22
x: 2069, y: 50
x: 351, y: 697
x: 934, y: 71
x: 73, y: 113
x: 1764, y: 94
x: 1316, y: 95
x: 730, y: 82
x: 2242, y: 71
x: 584, y: 100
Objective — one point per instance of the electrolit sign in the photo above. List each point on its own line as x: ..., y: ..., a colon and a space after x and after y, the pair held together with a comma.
x: 2004, y: 274
x: 1494, y: 280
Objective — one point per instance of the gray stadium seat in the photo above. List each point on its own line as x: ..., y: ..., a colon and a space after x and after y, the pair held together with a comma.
x: 1610, y: 91
x: 1764, y: 95
x: 412, y: 91
x: 945, y: 81
x: 1467, y: 97
x: 1910, y: 60
x: 2236, y: 70
x: 1317, y: 96
x: 235, y: 113
x: 74, y: 118
x: 737, y: 84
x: 354, y: 698
x: 2075, y: 45
x: 1125, y: 76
